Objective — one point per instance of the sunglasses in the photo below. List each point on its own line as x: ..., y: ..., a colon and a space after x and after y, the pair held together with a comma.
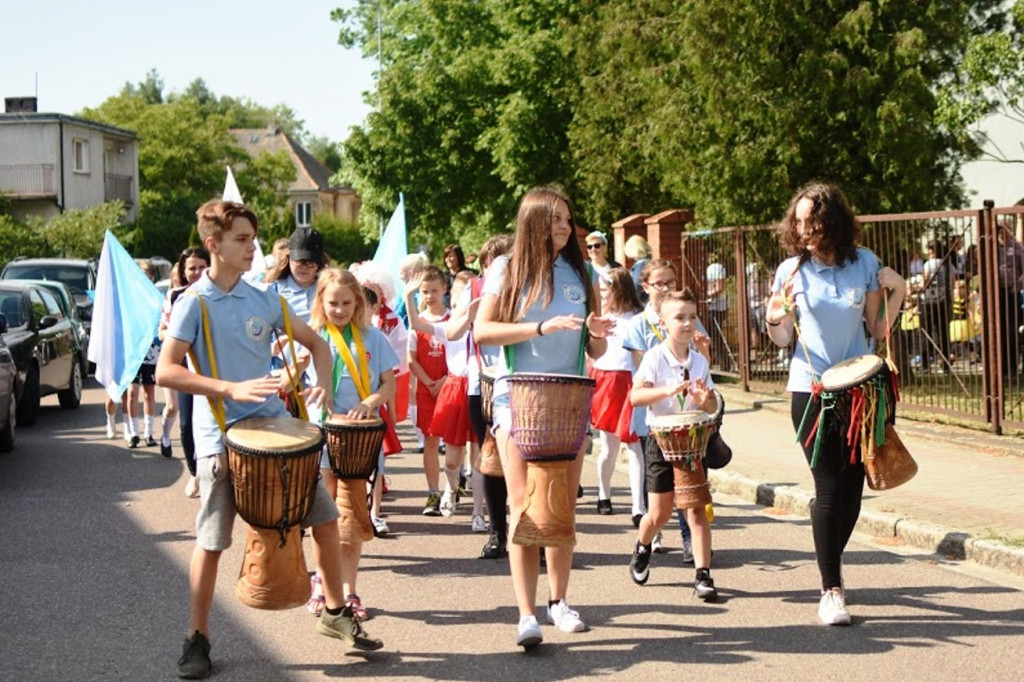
x: 591, y: 247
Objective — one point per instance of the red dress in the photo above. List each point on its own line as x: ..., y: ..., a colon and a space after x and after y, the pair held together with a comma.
x: 431, y: 357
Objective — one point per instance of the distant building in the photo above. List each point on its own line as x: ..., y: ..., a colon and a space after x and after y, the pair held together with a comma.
x: 51, y: 163
x: 311, y: 193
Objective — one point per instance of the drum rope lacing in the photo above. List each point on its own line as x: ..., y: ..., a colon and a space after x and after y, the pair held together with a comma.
x: 869, y: 409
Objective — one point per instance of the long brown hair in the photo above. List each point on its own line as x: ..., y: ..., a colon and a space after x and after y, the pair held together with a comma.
x: 833, y: 226
x: 622, y: 296
x: 531, y: 266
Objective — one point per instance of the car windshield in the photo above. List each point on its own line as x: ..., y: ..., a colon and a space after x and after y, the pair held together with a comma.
x: 76, y: 279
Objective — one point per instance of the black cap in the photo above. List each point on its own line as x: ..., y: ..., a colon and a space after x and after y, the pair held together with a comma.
x: 306, y: 244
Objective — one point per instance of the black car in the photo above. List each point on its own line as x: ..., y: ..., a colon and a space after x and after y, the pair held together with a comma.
x: 8, y: 399
x: 66, y: 301
x: 42, y: 341
x: 78, y: 275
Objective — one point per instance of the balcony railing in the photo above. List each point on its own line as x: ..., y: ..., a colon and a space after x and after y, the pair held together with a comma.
x: 28, y: 181
x: 118, y: 187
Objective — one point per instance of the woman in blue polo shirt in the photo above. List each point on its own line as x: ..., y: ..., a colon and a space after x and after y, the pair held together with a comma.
x: 536, y: 303
x: 837, y: 287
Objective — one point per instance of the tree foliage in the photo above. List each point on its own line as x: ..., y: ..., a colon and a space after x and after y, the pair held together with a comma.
x: 184, y: 148
x: 640, y: 105
x: 989, y: 80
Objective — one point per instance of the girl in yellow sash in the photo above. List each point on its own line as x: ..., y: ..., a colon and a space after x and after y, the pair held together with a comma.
x: 364, y: 380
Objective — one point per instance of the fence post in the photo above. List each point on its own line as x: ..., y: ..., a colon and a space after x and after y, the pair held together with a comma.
x: 743, y: 305
x: 992, y: 385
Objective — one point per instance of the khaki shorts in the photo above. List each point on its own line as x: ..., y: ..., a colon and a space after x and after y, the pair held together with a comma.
x: 216, y: 518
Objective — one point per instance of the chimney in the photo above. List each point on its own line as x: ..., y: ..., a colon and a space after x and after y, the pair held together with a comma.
x: 20, y: 105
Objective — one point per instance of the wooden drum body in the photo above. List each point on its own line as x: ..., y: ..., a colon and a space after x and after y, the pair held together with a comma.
x: 274, y: 464
x: 550, y: 414
x: 683, y: 439
x: 353, y: 446
x: 487, y: 376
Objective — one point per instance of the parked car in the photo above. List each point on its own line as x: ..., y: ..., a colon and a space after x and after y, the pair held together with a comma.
x: 42, y: 341
x: 66, y: 300
x: 8, y: 399
x: 78, y: 275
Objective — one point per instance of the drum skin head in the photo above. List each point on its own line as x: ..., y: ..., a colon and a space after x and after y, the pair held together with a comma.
x: 273, y: 434
x: 668, y: 422
x: 342, y: 420
x: 851, y: 372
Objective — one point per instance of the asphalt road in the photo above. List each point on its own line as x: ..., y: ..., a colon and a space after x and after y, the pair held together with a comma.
x: 94, y: 562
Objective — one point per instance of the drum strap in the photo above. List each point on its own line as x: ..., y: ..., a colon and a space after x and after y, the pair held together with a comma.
x: 510, y: 356
x: 216, y: 403
x: 360, y: 378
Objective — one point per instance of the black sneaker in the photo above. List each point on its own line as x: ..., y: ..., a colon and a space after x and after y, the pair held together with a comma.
x: 604, y: 507
x: 640, y: 564
x: 579, y: 492
x: 495, y: 548
x: 704, y: 586
x: 134, y: 443
x: 636, y: 520
x: 165, y: 450
x: 194, y: 663
x: 433, y: 505
x: 150, y: 442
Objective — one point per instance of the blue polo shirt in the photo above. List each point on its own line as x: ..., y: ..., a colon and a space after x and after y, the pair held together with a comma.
x: 380, y: 357
x: 557, y: 352
x: 830, y: 304
x: 299, y: 298
x: 241, y: 323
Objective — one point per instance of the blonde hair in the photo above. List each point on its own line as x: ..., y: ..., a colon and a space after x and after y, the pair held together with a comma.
x: 341, y: 277
x: 636, y: 247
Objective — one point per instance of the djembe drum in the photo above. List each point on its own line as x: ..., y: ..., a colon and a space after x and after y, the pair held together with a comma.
x: 353, y: 446
x: 683, y: 439
x: 487, y: 377
x: 274, y: 464
x: 550, y: 413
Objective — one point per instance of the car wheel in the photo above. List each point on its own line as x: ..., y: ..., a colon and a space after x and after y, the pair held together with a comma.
x: 7, y: 434
x: 71, y: 396
x: 28, y: 406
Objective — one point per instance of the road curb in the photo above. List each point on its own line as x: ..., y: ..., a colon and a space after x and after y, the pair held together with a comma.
x: 950, y: 543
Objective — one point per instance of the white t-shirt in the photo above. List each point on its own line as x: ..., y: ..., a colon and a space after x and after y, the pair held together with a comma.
x: 661, y: 368
x: 616, y: 358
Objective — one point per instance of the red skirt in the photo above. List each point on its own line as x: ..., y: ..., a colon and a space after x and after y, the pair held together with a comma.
x: 451, y: 413
x: 611, y: 410
x: 402, y: 397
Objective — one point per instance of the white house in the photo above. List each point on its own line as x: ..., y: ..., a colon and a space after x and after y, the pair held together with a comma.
x: 51, y: 163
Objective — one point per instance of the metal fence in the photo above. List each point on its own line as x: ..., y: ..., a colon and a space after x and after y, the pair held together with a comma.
x: 958, y: 342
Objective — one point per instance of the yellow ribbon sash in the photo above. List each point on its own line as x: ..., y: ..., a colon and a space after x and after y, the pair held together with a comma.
x: 360, y: 378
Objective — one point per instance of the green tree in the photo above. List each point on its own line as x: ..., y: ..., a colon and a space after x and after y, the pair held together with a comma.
x: 988, y: 81
x: 80, y: 233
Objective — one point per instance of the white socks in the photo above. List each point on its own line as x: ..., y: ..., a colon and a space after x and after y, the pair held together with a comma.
x: 167, y: 425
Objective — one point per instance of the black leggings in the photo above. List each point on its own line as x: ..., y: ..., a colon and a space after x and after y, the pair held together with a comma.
x: 188, y: 444
x: 838, y: 488
x: 495, y: 490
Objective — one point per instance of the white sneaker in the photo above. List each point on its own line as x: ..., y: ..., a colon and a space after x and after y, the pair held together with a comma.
x: 111, y: 431
x: 380, y: 527
x: 832, y: 608
x: 564, y: 618
x: 192, y: 487
x: 529, y: 632
x: 656, y: 544
x: 479, y: 525
x: 448, y: 504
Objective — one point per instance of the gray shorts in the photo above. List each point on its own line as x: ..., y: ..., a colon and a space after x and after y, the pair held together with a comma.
x: 216, y: 518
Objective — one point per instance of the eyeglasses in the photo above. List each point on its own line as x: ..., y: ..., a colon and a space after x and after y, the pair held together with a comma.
x: 591, y: 247
x: 306, y: 263
x: 663, y: 285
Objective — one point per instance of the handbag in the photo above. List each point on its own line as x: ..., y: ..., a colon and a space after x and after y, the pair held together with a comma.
x: 891, y: 465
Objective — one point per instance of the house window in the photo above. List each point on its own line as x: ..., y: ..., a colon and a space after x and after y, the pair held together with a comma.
x: 303, y: 213
x: 80, y: 151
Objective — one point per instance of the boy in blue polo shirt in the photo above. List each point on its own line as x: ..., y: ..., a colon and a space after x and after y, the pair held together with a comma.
x: 242, y: 319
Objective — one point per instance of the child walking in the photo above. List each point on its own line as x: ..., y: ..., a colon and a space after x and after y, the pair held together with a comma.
x: 427, y: 363
x: 363, y: 378
x: 235, y: 332
x: 671, y: 369
x: 612, y: 414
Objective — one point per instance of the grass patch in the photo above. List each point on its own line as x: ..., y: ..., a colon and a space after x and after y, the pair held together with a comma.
x: 1014, y: 541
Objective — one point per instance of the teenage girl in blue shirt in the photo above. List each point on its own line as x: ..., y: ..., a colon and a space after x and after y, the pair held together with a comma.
x: 832, y: 289
x: 537, y: 302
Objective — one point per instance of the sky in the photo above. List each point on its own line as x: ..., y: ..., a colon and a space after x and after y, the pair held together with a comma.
x: 271, y: 52
x: 83, y: 51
